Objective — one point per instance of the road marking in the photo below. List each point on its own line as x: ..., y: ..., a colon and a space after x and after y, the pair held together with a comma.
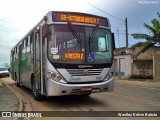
x: 139, y: 86
x: 151, y: 102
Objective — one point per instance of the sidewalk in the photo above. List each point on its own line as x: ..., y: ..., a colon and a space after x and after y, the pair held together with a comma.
x: 12, y: 100
x: 8, y: 100
x: 149, y: 84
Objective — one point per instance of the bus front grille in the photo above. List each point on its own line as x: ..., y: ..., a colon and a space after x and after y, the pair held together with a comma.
x: 84, y: 72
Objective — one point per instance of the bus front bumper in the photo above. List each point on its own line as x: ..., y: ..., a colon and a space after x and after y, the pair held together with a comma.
x: 59, y: 89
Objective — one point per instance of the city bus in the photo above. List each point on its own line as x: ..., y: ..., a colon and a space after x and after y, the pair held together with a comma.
x: 66, y: 53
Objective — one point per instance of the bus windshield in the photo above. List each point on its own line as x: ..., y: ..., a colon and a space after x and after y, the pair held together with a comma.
x: 79, y: 44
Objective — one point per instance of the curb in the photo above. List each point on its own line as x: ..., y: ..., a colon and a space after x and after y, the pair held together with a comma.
x: 21, y: 105
x: 19, y: 101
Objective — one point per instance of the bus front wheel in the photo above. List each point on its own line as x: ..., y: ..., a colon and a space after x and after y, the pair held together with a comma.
x: 37, y: 96
x: 16, y: 80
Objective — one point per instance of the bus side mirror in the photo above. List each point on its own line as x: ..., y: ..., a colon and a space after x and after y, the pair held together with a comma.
x: 113, y: 41
x: 45, y: 31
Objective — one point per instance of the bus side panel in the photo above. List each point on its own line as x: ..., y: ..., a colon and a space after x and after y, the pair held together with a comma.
x: 14, y: 66
x: 26, y: 66
x: 26, y: 71
x: 11, y: 65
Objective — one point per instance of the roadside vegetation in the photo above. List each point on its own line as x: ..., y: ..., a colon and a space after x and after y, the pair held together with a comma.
x: 152, y: 39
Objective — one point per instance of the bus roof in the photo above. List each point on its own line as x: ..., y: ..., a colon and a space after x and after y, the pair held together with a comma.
x: 63, y: 16
x: 66, y: 16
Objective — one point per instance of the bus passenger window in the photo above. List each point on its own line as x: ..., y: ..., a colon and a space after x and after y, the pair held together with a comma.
x: 24, y: 50
x: 28, y: 45
x: 17, y: 49
x: 13, y: 56
x: 24, y: 44
x: 31, y: 42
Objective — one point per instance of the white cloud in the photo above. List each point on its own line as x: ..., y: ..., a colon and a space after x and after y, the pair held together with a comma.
x: 17, y: 17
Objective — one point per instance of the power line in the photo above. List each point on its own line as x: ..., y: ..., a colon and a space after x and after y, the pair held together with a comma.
x: 104, y: 11
x: 126, y: 24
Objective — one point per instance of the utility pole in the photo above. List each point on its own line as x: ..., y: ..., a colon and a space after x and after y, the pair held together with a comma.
x: 126, y: 24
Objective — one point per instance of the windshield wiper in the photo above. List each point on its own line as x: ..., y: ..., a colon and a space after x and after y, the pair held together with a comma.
x: 92, y: 36
x: 75, y: 34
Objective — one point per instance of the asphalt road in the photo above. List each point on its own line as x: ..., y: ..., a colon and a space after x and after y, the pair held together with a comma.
x: 124, y: 98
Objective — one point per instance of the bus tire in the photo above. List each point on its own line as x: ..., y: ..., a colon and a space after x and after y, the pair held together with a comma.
x: 18, y: 84
x: 37, y: 96
x: 16, y: 80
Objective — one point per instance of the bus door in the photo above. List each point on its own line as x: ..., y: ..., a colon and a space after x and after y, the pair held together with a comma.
x: 38, y: 63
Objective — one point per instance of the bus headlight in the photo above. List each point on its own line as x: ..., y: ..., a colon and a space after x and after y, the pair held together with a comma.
x: 56, y: 77
x: 109, y: 75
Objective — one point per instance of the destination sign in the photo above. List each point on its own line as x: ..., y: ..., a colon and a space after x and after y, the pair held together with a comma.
x: 79, y: 17
x: 74, y: 56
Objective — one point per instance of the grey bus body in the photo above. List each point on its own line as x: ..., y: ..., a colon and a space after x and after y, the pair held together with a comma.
x: 66, y: 53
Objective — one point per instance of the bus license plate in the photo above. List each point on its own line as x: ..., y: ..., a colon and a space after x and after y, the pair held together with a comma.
x: 86, y: 89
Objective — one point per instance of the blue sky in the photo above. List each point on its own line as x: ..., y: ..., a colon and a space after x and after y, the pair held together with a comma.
x: 17, y: 17
x: 136, y: 11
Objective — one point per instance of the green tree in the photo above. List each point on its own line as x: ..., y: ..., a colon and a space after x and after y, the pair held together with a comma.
x: 153, y: 38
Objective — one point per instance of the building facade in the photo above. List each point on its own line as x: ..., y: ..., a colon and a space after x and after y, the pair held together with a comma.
x: 123, y: 62
x: 146, y: 65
